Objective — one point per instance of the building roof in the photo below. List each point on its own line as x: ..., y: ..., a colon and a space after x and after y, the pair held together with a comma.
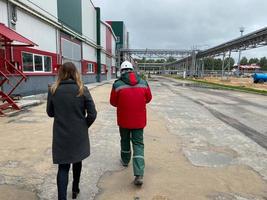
x: 252, y: 66
x: 8, y: 35
x: 110, y: 28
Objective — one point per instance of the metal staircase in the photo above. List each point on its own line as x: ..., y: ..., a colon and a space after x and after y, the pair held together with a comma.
x: 10, y: 77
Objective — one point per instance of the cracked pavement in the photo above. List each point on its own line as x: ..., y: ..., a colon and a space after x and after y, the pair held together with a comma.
x: 200, y: 143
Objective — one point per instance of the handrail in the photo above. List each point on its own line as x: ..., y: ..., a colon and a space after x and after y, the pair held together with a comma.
x: 13, y: 67
x: 2, y: 74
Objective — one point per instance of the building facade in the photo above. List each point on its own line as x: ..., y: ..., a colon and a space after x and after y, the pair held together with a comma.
x: 62, y: 31
x: 122, y: 42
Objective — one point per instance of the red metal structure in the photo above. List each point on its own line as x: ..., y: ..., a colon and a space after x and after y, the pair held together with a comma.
x: 8, y: 68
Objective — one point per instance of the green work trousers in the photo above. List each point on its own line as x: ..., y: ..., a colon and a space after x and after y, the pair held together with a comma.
x: 136, y: 136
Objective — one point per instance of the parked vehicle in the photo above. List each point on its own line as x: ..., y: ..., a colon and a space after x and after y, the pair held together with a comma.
x: 260, y: 78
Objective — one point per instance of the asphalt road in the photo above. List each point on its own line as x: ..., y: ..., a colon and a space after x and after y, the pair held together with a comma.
x: 207, y: 116
x: 200, y: 143
x: 244, y: 112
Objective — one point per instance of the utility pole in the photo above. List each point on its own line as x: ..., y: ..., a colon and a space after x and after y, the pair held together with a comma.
x: 241, y: 29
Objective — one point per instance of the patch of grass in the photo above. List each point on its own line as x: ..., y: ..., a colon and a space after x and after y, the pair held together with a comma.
x: 223, y: 86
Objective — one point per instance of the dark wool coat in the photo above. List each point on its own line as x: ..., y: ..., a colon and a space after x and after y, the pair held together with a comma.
x: 73, y: 116
x: 130, y: 94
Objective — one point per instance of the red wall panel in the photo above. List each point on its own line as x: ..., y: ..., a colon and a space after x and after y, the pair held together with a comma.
x: 18, y: 58
x: 108, y: 40
x: 85, y: 66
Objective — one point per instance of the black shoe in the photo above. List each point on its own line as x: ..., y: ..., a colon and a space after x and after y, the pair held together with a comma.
x: 123, y: 164
x: 75, y: 194
x: 138, y: 181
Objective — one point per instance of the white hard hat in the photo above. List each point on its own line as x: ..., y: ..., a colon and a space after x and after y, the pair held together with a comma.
x: 126, y: 65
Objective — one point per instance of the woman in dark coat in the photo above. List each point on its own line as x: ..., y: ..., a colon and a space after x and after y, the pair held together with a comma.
x: 73, y: 109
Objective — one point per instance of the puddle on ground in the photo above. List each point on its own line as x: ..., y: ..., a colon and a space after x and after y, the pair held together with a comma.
x: 196, y: 85
x: 208, y: 158
x: 29, y: 119
x: 8, y: 192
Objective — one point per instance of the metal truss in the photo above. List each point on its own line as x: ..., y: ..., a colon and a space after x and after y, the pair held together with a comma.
x: 156, y: 53
x: 151, y: 66
x: 252, y: 40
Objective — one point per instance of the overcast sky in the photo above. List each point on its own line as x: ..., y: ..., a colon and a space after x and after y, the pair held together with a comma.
x: 182, y: 24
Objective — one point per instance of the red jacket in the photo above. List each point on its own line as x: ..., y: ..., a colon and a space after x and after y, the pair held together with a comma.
x: 130, y: 94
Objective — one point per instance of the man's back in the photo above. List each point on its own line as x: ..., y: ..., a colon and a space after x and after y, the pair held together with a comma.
x: 130, y: 94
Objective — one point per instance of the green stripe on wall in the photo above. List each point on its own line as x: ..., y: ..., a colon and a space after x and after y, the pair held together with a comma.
x: 70, y: 13
x: 117, y: 27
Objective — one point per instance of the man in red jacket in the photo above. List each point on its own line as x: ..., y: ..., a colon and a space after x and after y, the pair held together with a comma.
x: 130, y: 94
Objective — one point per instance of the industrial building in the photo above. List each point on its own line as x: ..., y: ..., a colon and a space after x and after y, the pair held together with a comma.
x: 36, y: 36
x: 122, y: 35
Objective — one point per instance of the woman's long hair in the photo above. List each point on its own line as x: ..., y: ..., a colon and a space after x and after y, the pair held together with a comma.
x: 68, y: 71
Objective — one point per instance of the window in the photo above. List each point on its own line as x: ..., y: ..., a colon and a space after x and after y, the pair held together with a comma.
x: 36, y: 63
x: 47, y: 64
x: 71, y: 51
x: 103, y: 69
x: 90, y: 68
x: 27, y: 62
x: 113, y: 70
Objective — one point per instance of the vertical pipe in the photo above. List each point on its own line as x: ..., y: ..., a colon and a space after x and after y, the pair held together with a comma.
x: 187, y: 65
x: 223, y: 65
x: 193, y: 64
x: 118, y: 63
x: 229, y: 63
x: 98, y: 42
x: 197, y: 67
x: 203, y: 67
x: 213, y: 59
x: 239, y: 56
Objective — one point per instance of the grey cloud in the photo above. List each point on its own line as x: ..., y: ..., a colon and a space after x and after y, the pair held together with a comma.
x: 184, y: 23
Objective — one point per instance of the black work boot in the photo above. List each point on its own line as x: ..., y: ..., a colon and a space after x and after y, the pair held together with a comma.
x: 75, y: 190
x: 124, y: 164
x: 75, y: 194
x: 138, y: 181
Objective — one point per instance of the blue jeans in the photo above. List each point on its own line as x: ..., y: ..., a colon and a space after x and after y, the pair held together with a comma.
x: 63, y: 179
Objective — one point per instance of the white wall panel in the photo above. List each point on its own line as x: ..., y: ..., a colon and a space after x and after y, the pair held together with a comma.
x: 89, y: 53
x: 103, y: 58
x: 3, y: 12
x: 45, y: 7
x: 113, y: 62
x: 113, y: 42
x: 36, y: 30
x: 88, y: 20
x: 103, y: 36
x: 109, y: 65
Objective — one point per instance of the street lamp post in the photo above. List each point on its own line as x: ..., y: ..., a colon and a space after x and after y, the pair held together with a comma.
x: 241, y: 29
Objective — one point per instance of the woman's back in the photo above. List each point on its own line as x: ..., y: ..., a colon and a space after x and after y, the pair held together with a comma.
x: 67, y: 105
x: 73, y: 109
x: 73, y: 114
